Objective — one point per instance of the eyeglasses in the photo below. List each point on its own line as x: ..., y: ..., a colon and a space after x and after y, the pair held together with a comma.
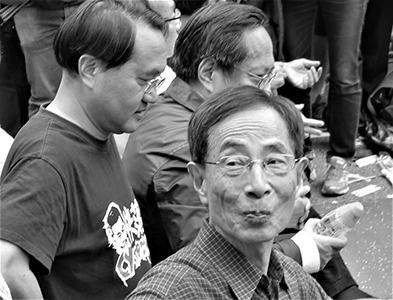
x: 236, y: 165
x: 264, y: 80
x: 176, y: 15
x: 154, y: 84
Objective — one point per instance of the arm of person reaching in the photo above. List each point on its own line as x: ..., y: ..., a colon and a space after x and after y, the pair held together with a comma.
x: 181, y: 210
x: 302, y: 73
x: 16, y: 272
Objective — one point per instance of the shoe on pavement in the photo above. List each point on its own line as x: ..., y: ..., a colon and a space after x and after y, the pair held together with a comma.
x: 336, y: 181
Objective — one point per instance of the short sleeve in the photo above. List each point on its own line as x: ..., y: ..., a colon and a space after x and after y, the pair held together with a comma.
x: 33, y: 209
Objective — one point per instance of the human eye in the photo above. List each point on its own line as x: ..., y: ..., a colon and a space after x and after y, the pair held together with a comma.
x: 234, y: 164
x: 278, y: 163
x: 142, y: 81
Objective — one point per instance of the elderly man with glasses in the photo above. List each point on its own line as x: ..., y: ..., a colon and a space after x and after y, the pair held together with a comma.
x: 246, y: 150
x: 221, y: 46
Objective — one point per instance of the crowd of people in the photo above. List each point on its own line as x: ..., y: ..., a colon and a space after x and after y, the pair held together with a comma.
x: 164, y: 157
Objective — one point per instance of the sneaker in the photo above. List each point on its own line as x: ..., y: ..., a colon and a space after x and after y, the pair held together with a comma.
x: 361, y: 149
x: 336, y: 182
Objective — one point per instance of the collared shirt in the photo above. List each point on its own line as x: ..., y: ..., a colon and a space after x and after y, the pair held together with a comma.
x: 211, y: 268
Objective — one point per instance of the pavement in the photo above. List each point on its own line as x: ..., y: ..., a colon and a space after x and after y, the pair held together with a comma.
x: 368, y: 254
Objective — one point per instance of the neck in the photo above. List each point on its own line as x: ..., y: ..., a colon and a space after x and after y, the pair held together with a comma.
x: 257, y: 254
x: 69, y: 103
x: 200, y: 89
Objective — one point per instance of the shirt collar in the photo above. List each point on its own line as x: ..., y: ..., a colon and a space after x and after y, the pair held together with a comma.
x: 184, y: 94
x: 242, y: 276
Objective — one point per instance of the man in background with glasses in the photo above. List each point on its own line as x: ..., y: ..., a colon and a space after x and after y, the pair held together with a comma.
x: 246, y: 150
x: 172, y: 17
x: 221, y: 46
x: 70, y: 225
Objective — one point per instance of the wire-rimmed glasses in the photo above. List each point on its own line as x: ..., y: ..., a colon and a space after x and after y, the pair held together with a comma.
x: 155, y: 83
x: 236, y: 165
x: 264, y: 80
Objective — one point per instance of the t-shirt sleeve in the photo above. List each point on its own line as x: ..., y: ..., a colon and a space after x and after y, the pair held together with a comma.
x: 33, y: 210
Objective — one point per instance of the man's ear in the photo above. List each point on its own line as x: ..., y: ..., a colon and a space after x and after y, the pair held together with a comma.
x: 300, y: 167
x: 197, y: 175
x: 89, y: 67
x: 205, y: 73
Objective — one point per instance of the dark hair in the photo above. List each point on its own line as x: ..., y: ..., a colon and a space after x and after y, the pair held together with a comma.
x: 215, y: 31
x: 228, y: 102
x: 104, y: 29
x: 187, y: 7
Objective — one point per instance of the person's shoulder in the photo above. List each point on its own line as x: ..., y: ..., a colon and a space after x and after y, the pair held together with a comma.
x: 166, y: 279
x: 288, y: 263
x: 179, y: 274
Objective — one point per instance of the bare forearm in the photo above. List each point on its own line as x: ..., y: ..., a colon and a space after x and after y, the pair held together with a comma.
x: 23, y: 285
x: 15, y: 268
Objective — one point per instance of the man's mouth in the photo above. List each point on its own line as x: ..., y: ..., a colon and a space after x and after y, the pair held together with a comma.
x: 257, y: 216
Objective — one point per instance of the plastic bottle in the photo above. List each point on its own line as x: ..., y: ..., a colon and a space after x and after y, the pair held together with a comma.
x: 340, y: 220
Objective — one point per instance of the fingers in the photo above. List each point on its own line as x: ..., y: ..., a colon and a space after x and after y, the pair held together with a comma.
x: 310, y: 124
x: 305, y: 215
x: 339, y: 242
x: 310, y: 78
x: 310, y: 224
x: 309, y: 130
x: 310, y: 63
x: 319, y: 73
x: 299, y: 106
x: 302, y: 191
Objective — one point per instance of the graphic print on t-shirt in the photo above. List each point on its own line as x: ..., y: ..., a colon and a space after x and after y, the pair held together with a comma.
x: 124, y: 229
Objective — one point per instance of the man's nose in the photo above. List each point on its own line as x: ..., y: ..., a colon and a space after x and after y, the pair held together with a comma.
x: 257, y: 184
x: 150, y: 97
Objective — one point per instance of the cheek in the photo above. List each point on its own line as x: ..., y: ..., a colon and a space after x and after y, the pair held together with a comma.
x: 286, y: 186
x: 224, y: 195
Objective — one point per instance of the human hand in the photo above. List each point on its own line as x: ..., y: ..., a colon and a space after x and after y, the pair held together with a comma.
x: 310, y: 124
x: 327, y: 245
x: 301, y: 209
x: 303, y: 73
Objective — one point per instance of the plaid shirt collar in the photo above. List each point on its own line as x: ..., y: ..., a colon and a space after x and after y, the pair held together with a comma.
x: 242, y: 276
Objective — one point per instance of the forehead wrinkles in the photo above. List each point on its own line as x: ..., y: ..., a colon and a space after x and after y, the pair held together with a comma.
x: 234, y: 133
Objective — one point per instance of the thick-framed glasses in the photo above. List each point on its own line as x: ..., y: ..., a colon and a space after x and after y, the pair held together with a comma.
x: 176, y: 15
x: 237, y: 165
x: 154, y: 84
x: 264, y: 80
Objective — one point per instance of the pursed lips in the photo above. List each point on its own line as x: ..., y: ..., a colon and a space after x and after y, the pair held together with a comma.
x: 257, y: 216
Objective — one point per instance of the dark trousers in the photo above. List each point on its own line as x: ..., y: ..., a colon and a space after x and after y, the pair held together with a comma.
x: 14, y: 87
x: 343, y: 21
